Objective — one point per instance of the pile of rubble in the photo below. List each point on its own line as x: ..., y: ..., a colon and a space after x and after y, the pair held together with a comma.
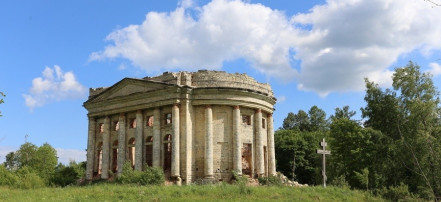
x: 288, y: 182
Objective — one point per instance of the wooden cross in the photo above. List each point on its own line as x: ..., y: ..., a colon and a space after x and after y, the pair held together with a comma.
x: 324, y: 152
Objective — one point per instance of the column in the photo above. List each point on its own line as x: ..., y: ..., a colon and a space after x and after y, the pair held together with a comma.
x: 271, y: 150
x: 156, y: 157
x: 186, y: 141
x: 208, y: 171
x: 121, y: 142
x: 106, y: 149
x: 237, y: 153
x: 175, y: 143
x: 260, y: 166
x: 90, y: 148
x: 139, y: 140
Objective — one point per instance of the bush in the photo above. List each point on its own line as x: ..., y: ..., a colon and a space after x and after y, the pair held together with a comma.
x: 6, y: 177
x: 272, y: 180
x: 28, y: 179
x: 150, y: 176
x: 396, y: 193
x: 64, y: 176
x: 340, y: 182
x: 239, y: 179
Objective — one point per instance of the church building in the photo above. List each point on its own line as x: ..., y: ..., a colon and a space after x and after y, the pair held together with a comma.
x: 194, y: 125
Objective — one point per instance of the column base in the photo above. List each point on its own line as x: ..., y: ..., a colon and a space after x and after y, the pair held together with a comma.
x: 177, y: 180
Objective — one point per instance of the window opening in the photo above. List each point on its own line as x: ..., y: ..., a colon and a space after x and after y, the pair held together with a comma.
x: 149, y: 120
x: 168, y: 118
x: 131, y: 146
x: 246, y: 119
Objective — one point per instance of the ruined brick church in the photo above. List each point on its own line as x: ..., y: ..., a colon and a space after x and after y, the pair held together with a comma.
x: 194, y: 125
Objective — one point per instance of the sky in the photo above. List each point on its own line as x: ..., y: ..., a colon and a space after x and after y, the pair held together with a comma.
x: 314, y: 52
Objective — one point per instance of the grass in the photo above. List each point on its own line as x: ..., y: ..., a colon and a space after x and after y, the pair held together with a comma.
x: 223, y: 192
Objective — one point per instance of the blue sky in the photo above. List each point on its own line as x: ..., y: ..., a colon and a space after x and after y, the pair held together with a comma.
x: 311, y: 52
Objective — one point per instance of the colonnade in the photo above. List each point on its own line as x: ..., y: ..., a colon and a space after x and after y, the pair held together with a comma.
x: 175, y: 159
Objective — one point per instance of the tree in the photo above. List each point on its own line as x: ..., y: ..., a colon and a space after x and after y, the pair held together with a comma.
x: 342, y: 113
x: 317, y: 119
x: 41, y: 160
x: 354, y: 148
x: 301, y: 146
x: 11, y: 161
x: 409, y: 116
x: 314, y: 120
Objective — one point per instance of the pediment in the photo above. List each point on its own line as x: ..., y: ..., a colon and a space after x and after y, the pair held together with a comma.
x: 128, y: 87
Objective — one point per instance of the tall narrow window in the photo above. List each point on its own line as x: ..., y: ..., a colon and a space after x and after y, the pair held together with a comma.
x: 116, y: 125
x: 149, y: 121
x: 167, y: 153
x: 149, y: 150
x: 132, y: 123
x: 131, y: 146
x: 115, y: 156
x: 263, y: 123
x: 168, y: 118
x: 101, y: 127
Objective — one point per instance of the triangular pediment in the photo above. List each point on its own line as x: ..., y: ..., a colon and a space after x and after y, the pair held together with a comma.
x: 128, y: 87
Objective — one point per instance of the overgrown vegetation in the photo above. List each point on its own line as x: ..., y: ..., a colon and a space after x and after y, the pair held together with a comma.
x: 150, y: 176
x: 218, y: 192
x: 395, y: 151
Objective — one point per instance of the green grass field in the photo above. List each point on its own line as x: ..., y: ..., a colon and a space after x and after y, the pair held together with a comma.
x: 223, y: 192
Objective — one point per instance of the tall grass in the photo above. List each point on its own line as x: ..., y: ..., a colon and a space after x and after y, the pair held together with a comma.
x: 221, y: 192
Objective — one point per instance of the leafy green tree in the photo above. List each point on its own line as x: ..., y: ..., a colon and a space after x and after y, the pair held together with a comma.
x: 11, y: 161
x: 354, y: 148
x: 342, y: 113
x: 41, y: 160
x: 296, y: 155
x: 317, y: 119
x: 409, y: 116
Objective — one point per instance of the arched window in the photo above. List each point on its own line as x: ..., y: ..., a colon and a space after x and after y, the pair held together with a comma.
x: 149, y: 150
x: 131, y: 147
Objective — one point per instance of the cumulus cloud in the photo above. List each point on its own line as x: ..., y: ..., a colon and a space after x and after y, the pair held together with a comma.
x: 335, y: 45
x: 435, y: 69
x: 67, y: 155
x: 224, y: 31
x: 54, y: 85
x: 364, y: 38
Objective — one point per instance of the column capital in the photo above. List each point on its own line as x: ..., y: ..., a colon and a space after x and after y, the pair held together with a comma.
x: 139, y: 111
x: 270, y: 115
x: 258, y: 110
x: 176, y: 105
x: 91, y: 118
x: 122, y: 114
x: 207, y: 106
x: 236, y: 107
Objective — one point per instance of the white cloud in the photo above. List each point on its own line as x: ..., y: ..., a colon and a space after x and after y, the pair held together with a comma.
x: 337, y: 44
x: 281, y: 99
x: 67, y: 155
x: 224, y: 30
x: 54, y: 85
x: 435, y: 69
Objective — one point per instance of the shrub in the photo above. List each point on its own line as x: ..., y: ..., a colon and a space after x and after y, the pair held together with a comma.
x: 396, y: 193
x: 239, y: 179
x: 28, y: 179
x: 271, y: 180
x: 150, y: 176
x: 64, y: 176
x: 6, y: 177
x: 340, y: 182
